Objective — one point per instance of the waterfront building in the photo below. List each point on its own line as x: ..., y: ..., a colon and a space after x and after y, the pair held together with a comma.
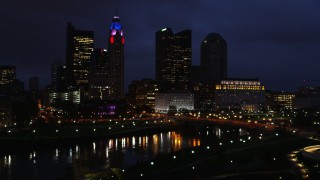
x: 203, y: 96
x: 143, y: 92
x: 178, y: 101
x: 245, y: 94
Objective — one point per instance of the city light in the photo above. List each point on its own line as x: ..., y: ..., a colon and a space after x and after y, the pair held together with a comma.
x: 194, y: 112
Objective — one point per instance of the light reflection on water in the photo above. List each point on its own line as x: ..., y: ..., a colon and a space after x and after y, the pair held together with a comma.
x: 92, y: 155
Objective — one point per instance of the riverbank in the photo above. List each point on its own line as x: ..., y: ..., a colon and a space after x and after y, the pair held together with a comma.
x: 76, y: 133
x: 267, y: 158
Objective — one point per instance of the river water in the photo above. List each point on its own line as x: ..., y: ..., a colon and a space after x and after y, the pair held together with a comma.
x: 74, y: 160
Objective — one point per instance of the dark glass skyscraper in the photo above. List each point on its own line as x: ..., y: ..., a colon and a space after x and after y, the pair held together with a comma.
x: 116, y: 58
x: 58, y: 77
x: 99, y: 75
x: 79, y: 49
x: 214, y: 58
x: 173, y: 59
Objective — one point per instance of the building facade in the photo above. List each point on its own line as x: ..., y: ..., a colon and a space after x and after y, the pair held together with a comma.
x: 203, y: 97
x: 180, y: 101
x: 245, y: 94
x: 9, y: 85
x: 79, y: 48
x: 7, y: 74
x: 143, y: 92
x: 72, y: 96
x: 58, y: 77
x: 173, y: 59
x: 283, y: 100
x: 213, y: 58
x: 100, y: 74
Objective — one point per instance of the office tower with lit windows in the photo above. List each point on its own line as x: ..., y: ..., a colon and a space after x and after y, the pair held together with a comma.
x: 78, y: 55
x: 213, y: 58
x: 283, y: 100
x: 116, y: 59
x: 142, y: 93
x: 244, y: 94
x: 99, y: 79
x: 173, y: 59
x: 7, y: 74
x: 8, y: 82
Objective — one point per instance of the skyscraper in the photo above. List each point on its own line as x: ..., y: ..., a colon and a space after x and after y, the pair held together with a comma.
x: 182, y: 59
x: 58, y: 77
x: 99, y: 79
x: 79, y: 49
x: 173, y: 59
x: 116, y: 58
x: 213, y: 58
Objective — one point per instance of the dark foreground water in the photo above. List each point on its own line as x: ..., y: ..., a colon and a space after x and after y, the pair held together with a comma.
x: 74, y: 160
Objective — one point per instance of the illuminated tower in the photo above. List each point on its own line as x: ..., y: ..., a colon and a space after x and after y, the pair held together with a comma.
x: 79, y: 49
x: 173, y: 59
x: 116, y: 59
x: 214, y: 58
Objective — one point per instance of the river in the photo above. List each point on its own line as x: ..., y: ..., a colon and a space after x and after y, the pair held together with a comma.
x: 74, y: 160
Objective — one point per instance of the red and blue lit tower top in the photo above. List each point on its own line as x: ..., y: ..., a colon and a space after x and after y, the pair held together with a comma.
x: 116, y: 30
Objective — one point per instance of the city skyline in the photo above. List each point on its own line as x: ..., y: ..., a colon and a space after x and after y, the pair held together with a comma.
x: 281, y: 38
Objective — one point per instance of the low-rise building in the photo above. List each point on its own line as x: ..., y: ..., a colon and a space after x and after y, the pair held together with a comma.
x: 73, y: 96
x: 246, y: 94
x: 142, y: 93
x: 163, y: 101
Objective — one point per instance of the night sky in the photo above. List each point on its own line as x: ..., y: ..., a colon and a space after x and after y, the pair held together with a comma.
x: 275, y: 41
